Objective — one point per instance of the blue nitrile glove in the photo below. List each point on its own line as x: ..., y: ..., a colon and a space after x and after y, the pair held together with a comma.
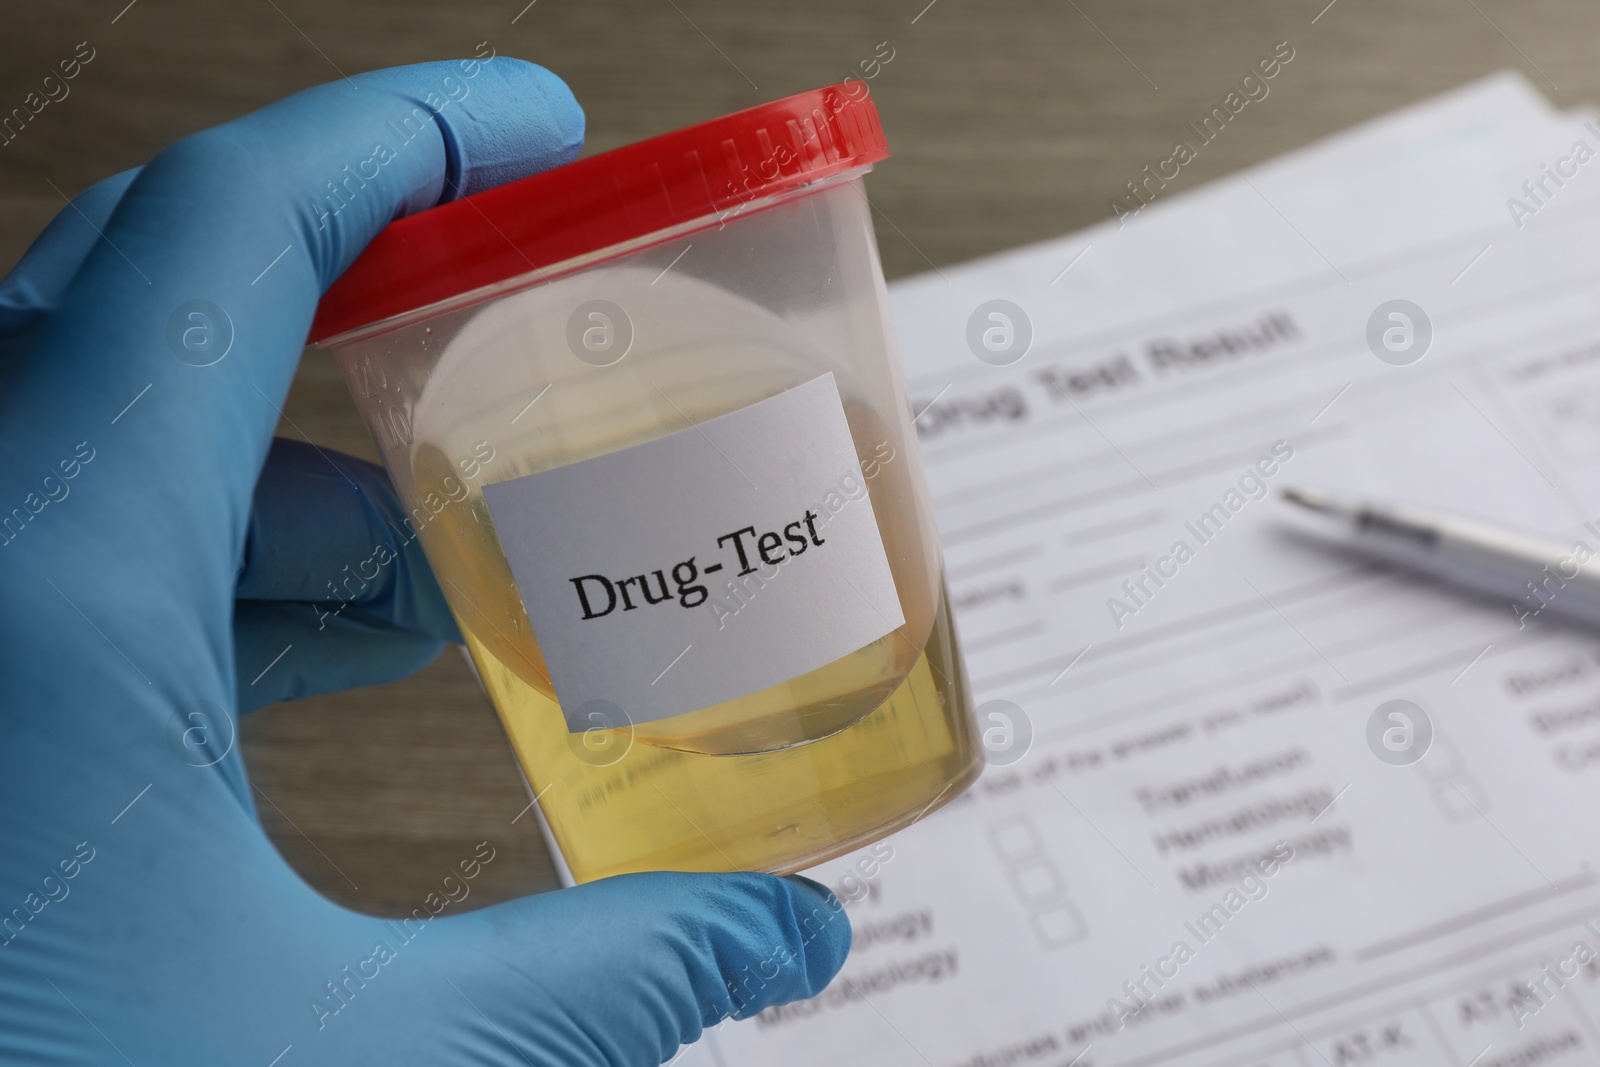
x: 157, y: 553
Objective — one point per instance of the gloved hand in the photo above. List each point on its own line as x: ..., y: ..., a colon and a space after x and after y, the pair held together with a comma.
x: 157, y: 552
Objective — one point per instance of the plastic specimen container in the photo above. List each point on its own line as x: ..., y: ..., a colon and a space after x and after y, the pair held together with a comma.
x: 647, y: 419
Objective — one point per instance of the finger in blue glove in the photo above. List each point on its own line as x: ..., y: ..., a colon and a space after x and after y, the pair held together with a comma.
x: 180, y: 936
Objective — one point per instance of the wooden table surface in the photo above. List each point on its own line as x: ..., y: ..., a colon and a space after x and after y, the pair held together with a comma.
x: 1010, y: 121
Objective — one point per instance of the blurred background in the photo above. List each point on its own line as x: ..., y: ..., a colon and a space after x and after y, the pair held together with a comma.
x: 1010, y: 121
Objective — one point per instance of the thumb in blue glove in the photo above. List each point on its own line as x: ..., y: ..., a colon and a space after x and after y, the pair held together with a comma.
x: 157, y: 550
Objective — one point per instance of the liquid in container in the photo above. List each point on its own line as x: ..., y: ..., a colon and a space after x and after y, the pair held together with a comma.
x: 646, y: 417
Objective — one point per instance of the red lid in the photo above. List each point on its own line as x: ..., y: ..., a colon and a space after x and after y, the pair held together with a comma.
x: 621, y: 195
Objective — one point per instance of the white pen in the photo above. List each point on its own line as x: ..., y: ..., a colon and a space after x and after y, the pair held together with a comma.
x: 1534, y: 575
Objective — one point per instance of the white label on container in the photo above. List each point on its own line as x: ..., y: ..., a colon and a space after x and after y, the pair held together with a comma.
x: 705, y: 565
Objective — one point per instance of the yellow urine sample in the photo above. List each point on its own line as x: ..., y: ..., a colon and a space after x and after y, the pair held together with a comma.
x: 775, y: 781
x: 658, y: 808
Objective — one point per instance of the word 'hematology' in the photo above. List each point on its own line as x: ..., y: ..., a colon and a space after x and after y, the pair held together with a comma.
x: 599, y: 596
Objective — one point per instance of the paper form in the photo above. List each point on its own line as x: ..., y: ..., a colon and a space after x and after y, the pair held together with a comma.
x: 1443, y: 911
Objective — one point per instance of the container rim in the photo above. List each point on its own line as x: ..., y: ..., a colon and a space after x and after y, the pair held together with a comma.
x: 715, y: 170
x: 544, y: 275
